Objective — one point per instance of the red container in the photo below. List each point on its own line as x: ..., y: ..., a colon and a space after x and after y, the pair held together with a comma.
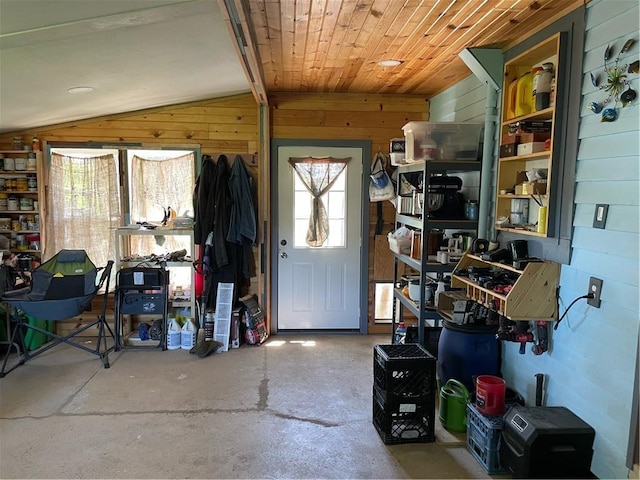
x: 490, y: 392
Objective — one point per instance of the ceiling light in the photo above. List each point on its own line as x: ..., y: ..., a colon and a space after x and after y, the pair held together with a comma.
x: 80, y: 90
x: 389, y: 63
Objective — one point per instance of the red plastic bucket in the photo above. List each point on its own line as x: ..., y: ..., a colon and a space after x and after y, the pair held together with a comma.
x: 490, y: 392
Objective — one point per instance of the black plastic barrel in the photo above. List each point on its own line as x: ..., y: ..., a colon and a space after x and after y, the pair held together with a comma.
x: 466, y: 351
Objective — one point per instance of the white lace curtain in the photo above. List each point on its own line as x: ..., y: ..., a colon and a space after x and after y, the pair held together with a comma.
x: 161, y: 183
x: 318, y: 175
x: 83, y: 206
x: 156, y: 185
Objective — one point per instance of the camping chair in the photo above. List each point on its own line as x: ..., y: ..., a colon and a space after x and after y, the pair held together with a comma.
x: 61, y: 288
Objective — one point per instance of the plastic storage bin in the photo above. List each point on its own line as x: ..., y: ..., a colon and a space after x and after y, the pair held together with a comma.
x: 454, y: 140
x: 484, y: 435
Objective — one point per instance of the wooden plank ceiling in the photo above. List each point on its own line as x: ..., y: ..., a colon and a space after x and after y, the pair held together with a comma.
x: 335, y: 45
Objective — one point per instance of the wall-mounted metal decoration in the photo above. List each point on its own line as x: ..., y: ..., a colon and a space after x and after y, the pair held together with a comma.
x: 616, y: 84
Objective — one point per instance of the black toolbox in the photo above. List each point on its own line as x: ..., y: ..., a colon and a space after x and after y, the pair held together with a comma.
x: 546, y: 442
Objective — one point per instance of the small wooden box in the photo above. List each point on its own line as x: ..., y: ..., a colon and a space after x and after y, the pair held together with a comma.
x: 531, y: 147
x: 508, y: 138
x: 534, y: 137
x: 508, y: 150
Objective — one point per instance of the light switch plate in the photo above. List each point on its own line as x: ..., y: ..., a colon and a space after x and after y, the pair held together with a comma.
x: 600, y: 215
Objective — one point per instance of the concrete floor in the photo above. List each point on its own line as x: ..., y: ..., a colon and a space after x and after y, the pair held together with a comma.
x: 295, y: 407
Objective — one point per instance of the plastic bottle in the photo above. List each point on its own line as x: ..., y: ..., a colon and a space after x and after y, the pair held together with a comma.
x: 429, y: 148
x: 524, y: 88
x: 543, y: 87
x: 173, y: 334
x: 535, y: 72
x: 471, y: 210
x: 401, y: 333
x: 188, y: 335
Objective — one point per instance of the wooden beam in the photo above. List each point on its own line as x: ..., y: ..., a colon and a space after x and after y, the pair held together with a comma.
x: 236, y: 16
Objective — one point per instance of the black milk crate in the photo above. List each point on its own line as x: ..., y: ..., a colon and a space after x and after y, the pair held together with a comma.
x: 404, y: 422
x: 431, y: 338
x: 484, y: 435
x: 404, y: 371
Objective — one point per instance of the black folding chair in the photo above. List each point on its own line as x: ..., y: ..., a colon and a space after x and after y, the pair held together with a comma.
x: 61, y: 288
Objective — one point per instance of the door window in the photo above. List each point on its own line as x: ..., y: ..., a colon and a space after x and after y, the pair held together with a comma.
x: 334, y: 201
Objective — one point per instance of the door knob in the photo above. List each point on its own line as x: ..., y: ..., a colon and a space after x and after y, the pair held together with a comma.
x: 283, y: 255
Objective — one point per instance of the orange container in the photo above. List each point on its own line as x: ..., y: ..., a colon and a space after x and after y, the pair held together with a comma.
x: 490, y: 393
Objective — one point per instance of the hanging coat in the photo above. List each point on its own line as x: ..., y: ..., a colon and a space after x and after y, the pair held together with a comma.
x: 204, y: 201
x: 243, y: 223
x: 213, y: 210
x: 242, y: 228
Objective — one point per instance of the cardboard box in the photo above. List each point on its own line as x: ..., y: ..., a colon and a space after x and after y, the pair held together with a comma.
x: 531, y: 147
x: 538, y: 188
x: 534, y: 137
x: 416, y: 245
x: 462, y: 311
x: 447, y: 298
x: 526, y: 126
x: 508, y: 138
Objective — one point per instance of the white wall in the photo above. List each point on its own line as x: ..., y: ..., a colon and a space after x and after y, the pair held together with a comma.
x: 590, y: 367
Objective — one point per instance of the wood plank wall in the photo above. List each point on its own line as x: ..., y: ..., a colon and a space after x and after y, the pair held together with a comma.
x: 222, y: 125
x: 231, y: 125
x: 228, y: 125
x: 377, y: 118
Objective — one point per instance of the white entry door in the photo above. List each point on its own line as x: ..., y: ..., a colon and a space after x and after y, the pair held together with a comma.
x: 319, y: 287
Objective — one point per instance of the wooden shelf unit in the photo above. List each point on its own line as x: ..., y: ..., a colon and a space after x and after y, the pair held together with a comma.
x: 34, y: 217
x: 508, y: 167
x: 532, y: 297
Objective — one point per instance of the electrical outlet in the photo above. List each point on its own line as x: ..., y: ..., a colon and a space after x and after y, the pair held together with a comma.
x: 595, y: 287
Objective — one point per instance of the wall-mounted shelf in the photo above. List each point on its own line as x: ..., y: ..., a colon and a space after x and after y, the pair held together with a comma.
x: 516, y: 71
x: 533, y: 296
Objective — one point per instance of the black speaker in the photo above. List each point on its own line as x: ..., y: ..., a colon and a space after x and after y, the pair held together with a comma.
x: 480, y: 246
x: 519, y: 249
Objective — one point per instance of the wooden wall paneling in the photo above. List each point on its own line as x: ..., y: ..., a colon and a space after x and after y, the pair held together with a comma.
x: 377, y: 118
x: 220, y: 125
x: 382, y: 259
x: 232, y: 125
x: 227, y: 124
